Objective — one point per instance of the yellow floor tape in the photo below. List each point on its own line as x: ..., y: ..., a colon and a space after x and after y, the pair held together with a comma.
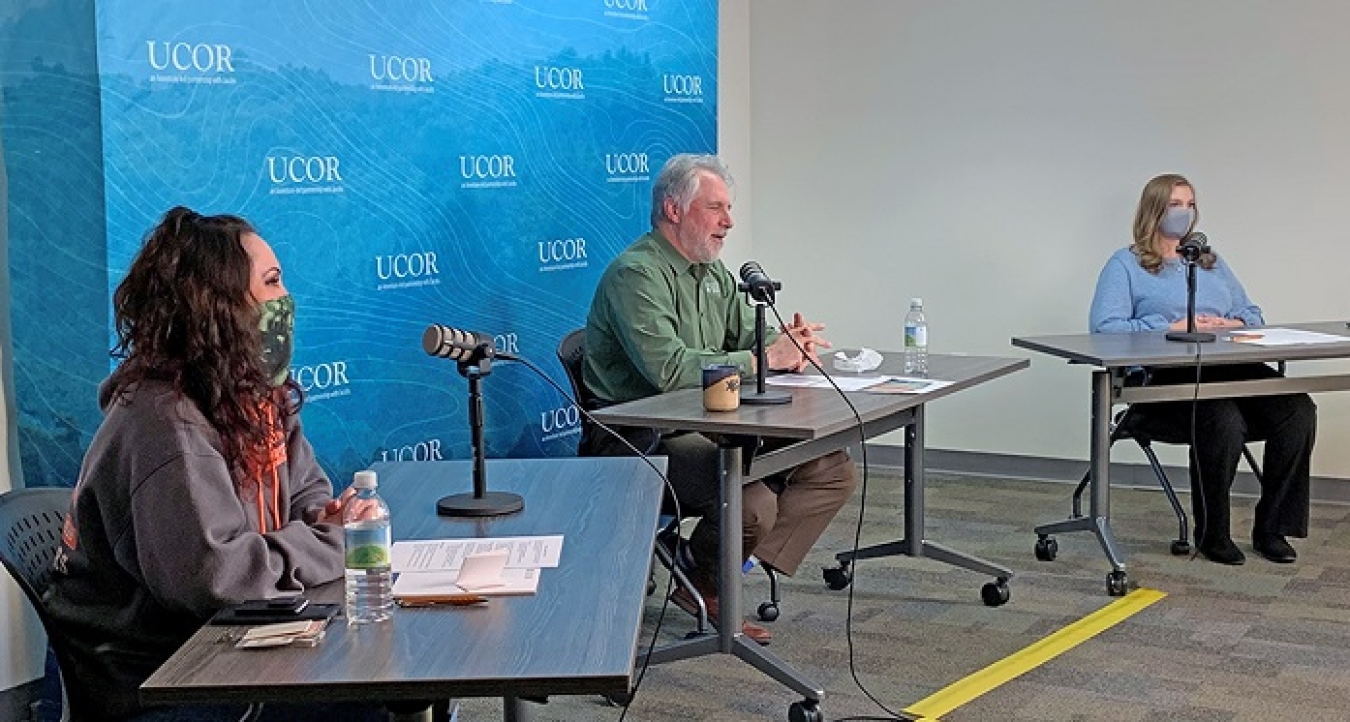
x: 949, y: 698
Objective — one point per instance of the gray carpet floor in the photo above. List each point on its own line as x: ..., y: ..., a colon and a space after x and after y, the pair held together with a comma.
x: 1257, y: 642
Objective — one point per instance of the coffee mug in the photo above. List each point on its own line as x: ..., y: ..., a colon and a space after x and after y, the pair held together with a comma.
x: 721, y: 387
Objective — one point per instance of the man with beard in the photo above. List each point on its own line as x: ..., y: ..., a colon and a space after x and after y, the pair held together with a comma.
x: 666, y: 307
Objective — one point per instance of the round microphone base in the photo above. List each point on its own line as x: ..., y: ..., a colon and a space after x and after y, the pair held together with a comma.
x: 493, y: 503
x: 1191, y: 336
x: 753, y: 398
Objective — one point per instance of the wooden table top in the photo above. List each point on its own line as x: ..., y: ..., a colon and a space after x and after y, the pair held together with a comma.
x: 814, y: 412
x: 577, y: 635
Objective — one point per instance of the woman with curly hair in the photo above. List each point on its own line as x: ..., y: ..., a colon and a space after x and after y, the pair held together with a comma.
x: 1143, y: 288
x: 199, y: 490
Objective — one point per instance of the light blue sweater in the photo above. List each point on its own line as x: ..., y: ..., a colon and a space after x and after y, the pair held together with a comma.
x: 1129, y: 298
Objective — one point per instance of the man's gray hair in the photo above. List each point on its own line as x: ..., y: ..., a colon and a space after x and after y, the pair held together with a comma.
x: 678, y: 181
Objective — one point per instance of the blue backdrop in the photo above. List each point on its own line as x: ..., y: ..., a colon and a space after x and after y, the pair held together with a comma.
x: 471, y: 163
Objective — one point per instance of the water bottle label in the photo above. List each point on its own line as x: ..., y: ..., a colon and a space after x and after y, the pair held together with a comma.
x: 368, y: 548
x: 916, y: 336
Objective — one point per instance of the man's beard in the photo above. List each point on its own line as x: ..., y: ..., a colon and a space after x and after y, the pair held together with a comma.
x: 702, y: 248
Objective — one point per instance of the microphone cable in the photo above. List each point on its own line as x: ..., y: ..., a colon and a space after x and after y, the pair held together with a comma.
x: 1198, y: 487
x: 679, y: 539
x: 857, y: 538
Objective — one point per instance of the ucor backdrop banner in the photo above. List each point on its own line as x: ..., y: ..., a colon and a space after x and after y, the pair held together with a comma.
x: 470, y: 163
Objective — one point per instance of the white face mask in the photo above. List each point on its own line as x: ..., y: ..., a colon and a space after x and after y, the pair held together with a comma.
x: 1176, y: 221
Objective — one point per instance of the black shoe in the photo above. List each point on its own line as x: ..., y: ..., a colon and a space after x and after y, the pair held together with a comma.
x: 1274, y: 548
x: 1223, y: 552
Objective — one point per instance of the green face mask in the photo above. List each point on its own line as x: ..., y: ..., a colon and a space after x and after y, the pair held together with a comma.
x: 278, y: 338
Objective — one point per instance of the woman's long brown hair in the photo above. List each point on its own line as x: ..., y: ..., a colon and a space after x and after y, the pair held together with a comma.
x: 184, y: 314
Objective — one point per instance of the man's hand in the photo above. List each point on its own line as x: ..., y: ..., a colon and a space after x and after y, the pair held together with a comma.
x: 784, y: 355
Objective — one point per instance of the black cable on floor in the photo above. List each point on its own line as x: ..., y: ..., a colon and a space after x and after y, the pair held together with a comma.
x: 857, y: 538
x: 679, y: 540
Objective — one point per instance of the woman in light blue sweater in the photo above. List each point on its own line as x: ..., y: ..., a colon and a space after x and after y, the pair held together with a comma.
x: 1143, y: 288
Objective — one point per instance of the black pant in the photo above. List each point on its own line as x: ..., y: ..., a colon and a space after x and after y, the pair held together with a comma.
x: 1287, y: 423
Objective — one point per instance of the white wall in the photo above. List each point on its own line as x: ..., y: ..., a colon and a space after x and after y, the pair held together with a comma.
x: 733, y: 121
x: 987, y: 155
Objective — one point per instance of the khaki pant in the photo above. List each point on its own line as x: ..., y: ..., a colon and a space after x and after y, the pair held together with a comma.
x: 782, y: 516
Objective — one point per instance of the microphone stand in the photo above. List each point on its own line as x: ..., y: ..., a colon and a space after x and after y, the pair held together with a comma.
x: 481, y: 502
x: 760, y: 396
x: 1190, y: 335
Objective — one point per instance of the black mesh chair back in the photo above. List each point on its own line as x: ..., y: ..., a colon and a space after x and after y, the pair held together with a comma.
x: 31, y: 520
x: 30, y: 523
x: 571, y: 353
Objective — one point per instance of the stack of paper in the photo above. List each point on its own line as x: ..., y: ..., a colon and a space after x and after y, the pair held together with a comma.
x: 1283, y: 337
x: 870, y: 384
x: 460, y: 569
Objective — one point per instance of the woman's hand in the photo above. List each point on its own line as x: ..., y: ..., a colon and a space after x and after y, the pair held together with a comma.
x: 1208, y: 322
x: 331, y: 513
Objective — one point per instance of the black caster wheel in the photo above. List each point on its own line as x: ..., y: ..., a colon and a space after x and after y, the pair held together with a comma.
x: 807, y: 710
x: 1117, y: 583
x: 1046, y: 548
x: 839, y: 577
x: 768, y: 611
x: 1181, y: 547
x: 651, y: 586
x: 995, y: 594
x: 621, y: 699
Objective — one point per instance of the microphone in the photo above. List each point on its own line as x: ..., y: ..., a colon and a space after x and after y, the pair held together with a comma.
x: 460, y: 345
x: 1191, y: 249
x: 757, y: 283
x: 1194, y: 246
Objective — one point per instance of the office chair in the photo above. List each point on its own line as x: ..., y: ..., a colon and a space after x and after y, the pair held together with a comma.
x: 30, y: 520
x: 571, y: 353
x: 1128, y: 425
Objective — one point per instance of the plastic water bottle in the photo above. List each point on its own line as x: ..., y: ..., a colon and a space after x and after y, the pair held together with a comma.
x: 916, y: 339
x: 370, y: 587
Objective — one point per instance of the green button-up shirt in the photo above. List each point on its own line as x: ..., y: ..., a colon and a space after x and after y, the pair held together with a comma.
x: 657, y: 319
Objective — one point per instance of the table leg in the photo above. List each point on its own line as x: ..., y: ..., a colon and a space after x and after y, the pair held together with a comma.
x: 914, y: 544
x: 729, y: 639
x: 515, y: 709
x: 1100, y: 501
x: 409, y: 711
x: 1098, y: 520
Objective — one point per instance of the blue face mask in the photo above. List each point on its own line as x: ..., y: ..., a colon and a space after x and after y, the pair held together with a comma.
x: 1176, y: 221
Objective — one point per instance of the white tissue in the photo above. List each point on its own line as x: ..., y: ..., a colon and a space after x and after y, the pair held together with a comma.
x: 866, y: 360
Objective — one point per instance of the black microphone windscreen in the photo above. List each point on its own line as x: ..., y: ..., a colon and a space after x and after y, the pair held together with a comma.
x: 451, y: 343
x: 758, y: 283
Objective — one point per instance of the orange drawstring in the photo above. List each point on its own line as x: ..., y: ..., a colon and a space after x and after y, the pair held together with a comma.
x: 276, y: 457
x: 262, y: 524
x: 276, y: 499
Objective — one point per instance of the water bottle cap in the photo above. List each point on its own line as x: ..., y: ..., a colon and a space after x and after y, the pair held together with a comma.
x: 916, y: 302
x: 365, y: 480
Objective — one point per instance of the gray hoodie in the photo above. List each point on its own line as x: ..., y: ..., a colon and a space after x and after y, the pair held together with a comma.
x: 160, y: 537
